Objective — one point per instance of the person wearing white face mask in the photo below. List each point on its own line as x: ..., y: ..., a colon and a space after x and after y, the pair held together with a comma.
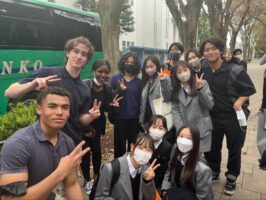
x: 192, y: 101
x: 154, y: 86
x: 238, y: 59
x: 188, y: 176
x: 136, y: 177
x: 194, y: 59
x: 157, y: 129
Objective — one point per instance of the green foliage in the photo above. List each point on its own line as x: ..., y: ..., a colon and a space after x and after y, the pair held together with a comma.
x: 204, y: 30
x: 20, y: 117
x: 126, y: 18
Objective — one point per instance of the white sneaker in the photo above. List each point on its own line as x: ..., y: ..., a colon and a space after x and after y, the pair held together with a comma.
x: 88, y: 186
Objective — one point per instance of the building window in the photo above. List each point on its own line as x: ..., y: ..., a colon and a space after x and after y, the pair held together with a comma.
x: 128, y: 44
x: 132, y: 44
x: 124, y: 45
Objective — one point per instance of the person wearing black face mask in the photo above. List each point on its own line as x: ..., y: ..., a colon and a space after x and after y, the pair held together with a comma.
x: 126, y: 123
x: 175, y: 51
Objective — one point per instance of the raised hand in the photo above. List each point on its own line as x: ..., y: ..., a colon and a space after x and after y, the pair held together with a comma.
x: 95, y: 112
x: 149, y: 174
x: 41, y: 83
x: 122, y: 85
x: 115, y: 101
x: 199, y: 81
x: 161, y: 75
x: 70, y: 162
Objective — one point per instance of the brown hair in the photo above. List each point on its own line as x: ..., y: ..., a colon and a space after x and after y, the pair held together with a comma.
x: 70, y: 44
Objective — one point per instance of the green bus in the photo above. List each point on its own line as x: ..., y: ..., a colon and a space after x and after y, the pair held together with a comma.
x: 33, y: 34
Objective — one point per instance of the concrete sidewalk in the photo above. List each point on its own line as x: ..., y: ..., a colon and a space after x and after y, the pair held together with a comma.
x: 251, y: 184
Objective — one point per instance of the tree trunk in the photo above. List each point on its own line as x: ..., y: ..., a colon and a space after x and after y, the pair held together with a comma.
x: 233, y: 41
x: 110, y: 11
x: 186, y: 18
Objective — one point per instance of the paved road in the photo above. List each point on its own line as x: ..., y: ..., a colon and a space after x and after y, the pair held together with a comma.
x: 251, y: 184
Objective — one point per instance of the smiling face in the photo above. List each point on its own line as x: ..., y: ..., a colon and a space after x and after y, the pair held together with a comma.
x: 102, y: 73
x: 211, y: 53
x: 54, y: 111
x: 78, y: 57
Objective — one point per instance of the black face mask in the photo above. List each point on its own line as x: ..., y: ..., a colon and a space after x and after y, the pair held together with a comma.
x: 174, y: 56
x: 131, y: 69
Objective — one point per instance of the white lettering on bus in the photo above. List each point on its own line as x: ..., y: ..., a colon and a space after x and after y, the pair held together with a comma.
x: 7, y: 67
x: 38, y: 63
x: 23, y: 66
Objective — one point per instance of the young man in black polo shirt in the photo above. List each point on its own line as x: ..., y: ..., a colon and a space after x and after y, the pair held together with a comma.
x: 78, y: 52
x: 231, y: 87
x: 41, y: 155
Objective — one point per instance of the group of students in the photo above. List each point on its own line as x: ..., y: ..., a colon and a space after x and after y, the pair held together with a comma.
x: 167, y: 160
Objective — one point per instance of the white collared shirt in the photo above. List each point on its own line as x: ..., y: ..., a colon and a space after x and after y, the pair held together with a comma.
x: 183, y: 159
x: 156, y: 144
x: 133, y: 172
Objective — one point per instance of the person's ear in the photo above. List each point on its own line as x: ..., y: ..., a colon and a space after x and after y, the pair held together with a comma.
x: 131, y: 147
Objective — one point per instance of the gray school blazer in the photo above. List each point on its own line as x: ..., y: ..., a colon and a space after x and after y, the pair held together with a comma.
x: 202, y: 179
x: 155, y: 91
x: 122, y: 189
x: 196, y: 111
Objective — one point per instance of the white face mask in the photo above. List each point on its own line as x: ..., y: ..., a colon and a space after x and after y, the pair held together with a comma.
x: 150, y: 71
x: 184, y: 76
x: 156, y: 134
x: 141, y: 157
x: 97, y: 82
x: 184, y: 145
x: 195, y: 63
x: 239, y: 56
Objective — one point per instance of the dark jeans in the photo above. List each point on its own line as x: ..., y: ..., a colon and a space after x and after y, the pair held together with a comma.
x: 226, y: 124
x: 95, y: 145
x: 125, y: 130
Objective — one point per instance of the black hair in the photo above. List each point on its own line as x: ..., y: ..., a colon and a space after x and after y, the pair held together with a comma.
x: 154, y: 119
x: 237, y: 50
x: 178, y: 45
x: 193, y: 157
x: 122, y: 61
x: 98, y: 63
x: 176, y: 83
x: 195, y: 51
x: 53, y: 90
x: 144, y: 138
x: 219, y: 44
x: 145, y: 76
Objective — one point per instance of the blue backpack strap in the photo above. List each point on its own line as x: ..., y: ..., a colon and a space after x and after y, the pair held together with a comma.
x: 116, y: 172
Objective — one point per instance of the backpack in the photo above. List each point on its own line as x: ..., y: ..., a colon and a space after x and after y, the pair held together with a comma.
x: 116, y: 173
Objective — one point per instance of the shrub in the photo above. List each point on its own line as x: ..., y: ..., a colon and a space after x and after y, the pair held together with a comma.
x: 19, y: 117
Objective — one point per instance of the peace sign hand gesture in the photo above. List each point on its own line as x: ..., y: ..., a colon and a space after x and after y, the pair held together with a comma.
x: 95, y: 112
x: 161, y: 75
x: 115, y: 102
x: 199, y: 82
x: 41, y: 83
x: 149, y: 174
x: 122, y: 85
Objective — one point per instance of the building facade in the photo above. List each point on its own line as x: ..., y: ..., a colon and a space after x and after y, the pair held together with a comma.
x: 154, y: 25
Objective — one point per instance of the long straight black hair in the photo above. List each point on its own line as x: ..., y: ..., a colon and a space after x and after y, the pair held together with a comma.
x: 193, y: 157
x: 145, y: 76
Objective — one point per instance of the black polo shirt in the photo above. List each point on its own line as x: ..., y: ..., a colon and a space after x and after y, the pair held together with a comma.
x: 225, y: 89
x: 80, y: 97
x: 29, y: 150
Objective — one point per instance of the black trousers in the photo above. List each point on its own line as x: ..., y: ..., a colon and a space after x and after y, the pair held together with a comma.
x: 226, y: 124
x: 95, y: 145
x: 125, y: 130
